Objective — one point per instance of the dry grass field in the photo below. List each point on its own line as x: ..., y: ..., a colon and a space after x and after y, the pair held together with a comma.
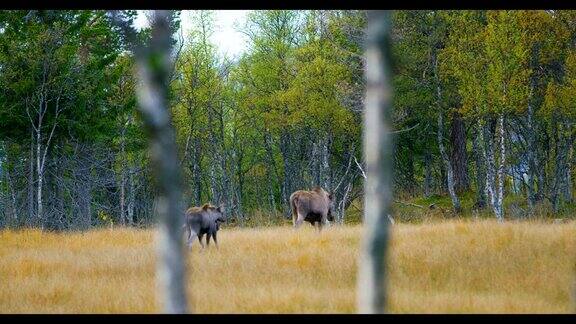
x: 453, y: 266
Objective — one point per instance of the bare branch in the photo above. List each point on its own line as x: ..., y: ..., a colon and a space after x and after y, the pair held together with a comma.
x: 360, y: 168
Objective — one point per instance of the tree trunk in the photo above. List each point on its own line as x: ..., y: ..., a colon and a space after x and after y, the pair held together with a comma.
x: 491, y: 184
x: 443, y: 154
x: 531, y: 174
x: 271, y: 165
x: 195, y: 163
x: 378, y: 148
x: 152, y: 96
x: 427, y: 174
x: 480, y: 171
x: 501, y: 169
x: 447, y: 164
x: 39, y: 178
x: 131, y: 197
x: 123, y: 177
x: 31, y: 216
x: 458, y: 157
x: 568, y: 169
x: 562, y: 183
x: 288, y: 172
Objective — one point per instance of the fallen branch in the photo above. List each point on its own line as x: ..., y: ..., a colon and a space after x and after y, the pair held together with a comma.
x: 408, y: 204
x: 404, y: 130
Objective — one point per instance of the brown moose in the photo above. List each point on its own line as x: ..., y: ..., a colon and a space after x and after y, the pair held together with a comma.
x: 203, y: 220
x: 314, y: 206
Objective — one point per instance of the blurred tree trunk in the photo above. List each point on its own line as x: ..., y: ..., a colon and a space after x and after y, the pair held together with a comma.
x: 378, y: 155
x: 153, y: 66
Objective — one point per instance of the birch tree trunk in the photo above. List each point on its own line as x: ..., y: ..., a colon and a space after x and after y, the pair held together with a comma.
x: 491, y: 168
x: 153, y: 66
x: 30, y: 172
x: 378, y: 156
x: 447, y: 164
x: 531, y: 157
x: 443, y: 154
x: 501, y: 167
x: 153, y: 104
x: 480, y: 170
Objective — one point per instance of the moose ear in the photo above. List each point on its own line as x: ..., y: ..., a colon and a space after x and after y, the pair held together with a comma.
x: 205, y: 206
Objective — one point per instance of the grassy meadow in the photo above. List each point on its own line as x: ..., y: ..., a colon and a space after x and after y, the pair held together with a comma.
x: 451, y: 266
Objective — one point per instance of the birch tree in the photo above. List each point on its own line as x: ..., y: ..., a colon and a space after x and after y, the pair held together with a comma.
x: 153, y: 66
x: 378, y: 155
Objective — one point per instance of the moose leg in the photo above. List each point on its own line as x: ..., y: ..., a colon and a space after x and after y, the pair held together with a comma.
x: 299, y: 220
x: 208, y: 239
x: 191, y: 235
x: 318, y: 226
x: 200, y: 236
x: 215, y: 240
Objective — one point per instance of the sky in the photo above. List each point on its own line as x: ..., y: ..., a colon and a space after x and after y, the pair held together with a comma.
x: 229, y: 41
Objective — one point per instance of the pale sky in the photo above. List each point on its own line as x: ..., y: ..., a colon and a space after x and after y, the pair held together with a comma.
x: 229, y: 41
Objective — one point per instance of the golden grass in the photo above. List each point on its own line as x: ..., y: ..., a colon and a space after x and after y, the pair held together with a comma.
x: 455, y: 267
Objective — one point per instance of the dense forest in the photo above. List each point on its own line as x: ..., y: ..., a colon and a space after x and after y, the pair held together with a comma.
x: 483, y: 109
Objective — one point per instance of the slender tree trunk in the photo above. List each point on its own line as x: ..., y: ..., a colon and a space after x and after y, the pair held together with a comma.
x: 443, y: 154
x: 31, y: 216
x: 227, y: 194
x: 531, y: 155
x: 568, y: 169
x: 410, y: 183
x: 458, y: 157
x: 427, y: 174
x: 491, y: 170
x: 480, y: 170
x: 131, y: 197
x: 194, y: 166
x: 271, y: 165
x: 13, y: 220
x: 378, y: 148
x: 447, y: 164
x: 123, y: 178
x: 562, y: 183
x: 501, y: 169
x: 39, y: 177
x: 83, y: 186
x: 152, y: 96
x: 288, y: 172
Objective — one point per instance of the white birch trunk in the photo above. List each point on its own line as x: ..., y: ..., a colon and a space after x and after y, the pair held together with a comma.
x: 501, y: 175
x: 378, y: 156
x: 153, y: 65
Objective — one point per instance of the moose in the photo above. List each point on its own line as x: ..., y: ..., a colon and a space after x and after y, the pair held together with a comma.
x: 203, y: 220
x: 314, y: 206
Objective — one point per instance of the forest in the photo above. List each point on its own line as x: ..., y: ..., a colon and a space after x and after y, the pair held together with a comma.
x: 483, y: 115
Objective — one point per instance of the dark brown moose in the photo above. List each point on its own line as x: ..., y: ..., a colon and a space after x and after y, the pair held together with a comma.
x: 203, y: 220
x: 314, y: 206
